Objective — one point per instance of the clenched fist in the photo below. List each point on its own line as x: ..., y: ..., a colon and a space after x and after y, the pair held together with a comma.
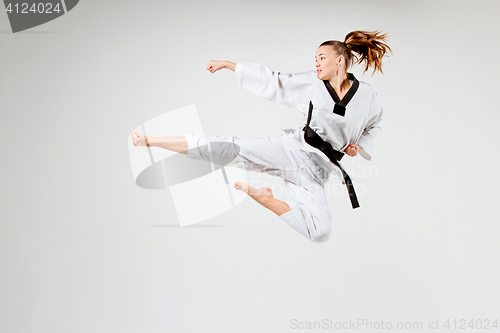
x: 215, y: 65
x: 353, y: 150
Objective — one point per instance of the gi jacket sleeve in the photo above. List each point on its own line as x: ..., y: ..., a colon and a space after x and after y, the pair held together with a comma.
x: 369, y: 136
x: 269, y: 84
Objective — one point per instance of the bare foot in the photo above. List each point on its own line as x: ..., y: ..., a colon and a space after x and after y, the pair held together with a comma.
x: 258, y: 194
x: 138, y: 139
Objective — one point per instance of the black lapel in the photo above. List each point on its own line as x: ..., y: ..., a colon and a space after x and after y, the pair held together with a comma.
x: 339, y: 107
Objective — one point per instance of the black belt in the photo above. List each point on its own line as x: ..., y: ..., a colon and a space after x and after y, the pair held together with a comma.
x: 312, y: 138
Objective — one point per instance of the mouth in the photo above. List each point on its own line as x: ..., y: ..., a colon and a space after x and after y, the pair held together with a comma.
x: 318, y: 71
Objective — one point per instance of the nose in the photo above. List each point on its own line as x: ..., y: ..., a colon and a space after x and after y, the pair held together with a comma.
x: 317, y: 64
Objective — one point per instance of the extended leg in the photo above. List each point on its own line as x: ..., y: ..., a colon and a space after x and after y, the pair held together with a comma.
x: 173, y: 143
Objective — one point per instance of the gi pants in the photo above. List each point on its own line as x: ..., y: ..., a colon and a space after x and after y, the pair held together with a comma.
x: 303, y: 173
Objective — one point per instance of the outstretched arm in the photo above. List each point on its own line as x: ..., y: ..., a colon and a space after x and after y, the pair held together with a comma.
x: 215, y: 65
x: 279, y: 87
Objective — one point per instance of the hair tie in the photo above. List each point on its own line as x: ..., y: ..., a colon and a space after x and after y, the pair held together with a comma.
x: 347, y: 46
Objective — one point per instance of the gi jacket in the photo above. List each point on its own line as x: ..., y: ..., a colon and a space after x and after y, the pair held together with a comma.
x: 360, y: 125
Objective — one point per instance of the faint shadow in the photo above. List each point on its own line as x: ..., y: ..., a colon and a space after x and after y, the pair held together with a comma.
x: 189, y: 226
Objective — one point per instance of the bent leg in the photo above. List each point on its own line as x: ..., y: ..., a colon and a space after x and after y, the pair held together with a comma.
x: 265, y: 197
x: 309, y: 213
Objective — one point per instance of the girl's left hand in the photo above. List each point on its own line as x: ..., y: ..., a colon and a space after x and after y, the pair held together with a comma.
x: 353, y: 150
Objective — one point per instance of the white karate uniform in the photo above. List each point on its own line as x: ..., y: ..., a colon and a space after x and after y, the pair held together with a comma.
x: 305, y: 169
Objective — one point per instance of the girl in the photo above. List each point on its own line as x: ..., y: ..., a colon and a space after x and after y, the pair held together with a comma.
x: 343, y: 116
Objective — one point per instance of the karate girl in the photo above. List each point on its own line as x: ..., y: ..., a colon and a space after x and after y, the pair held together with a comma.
x: 342, y: 115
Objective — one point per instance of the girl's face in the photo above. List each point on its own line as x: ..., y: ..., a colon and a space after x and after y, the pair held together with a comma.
x: 327, y: 62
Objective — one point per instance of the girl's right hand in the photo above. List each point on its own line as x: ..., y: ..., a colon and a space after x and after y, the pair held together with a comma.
x: 214, y: 66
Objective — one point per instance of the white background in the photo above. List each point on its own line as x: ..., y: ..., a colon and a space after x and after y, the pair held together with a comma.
x: 83, y: 249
